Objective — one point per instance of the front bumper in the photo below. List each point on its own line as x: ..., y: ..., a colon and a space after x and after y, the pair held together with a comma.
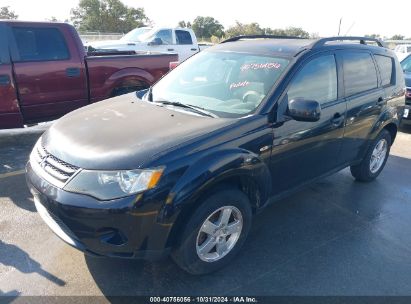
x: 126, y: 227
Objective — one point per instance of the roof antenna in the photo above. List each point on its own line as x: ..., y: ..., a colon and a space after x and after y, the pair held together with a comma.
x: 339, y: 27
x: 349, y: 29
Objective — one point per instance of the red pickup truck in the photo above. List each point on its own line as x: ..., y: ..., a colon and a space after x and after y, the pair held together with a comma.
x: 45, y: 72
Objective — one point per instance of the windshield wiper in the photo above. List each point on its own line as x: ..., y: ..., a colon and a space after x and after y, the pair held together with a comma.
x: 197, y: 109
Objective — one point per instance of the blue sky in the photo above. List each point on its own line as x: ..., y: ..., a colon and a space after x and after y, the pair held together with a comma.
x: 315, y: 16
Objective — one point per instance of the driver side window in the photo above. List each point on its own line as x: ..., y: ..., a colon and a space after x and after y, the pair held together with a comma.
x: 317, y: 80
x: 406, y: 64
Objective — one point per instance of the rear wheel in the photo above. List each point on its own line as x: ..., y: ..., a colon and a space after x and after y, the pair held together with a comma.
x: 375, y: 159
x: 215, y: 233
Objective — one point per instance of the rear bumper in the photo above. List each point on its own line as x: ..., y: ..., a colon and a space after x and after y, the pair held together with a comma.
x: 125, y: 228
x: 406, y: 120
x: 408, y: 96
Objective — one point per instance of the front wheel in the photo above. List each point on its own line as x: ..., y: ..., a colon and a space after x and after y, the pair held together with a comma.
x: 375, y: 159
x: 215, y: 233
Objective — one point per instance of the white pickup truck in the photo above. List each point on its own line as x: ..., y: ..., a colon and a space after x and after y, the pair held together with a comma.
x: 166, y: 40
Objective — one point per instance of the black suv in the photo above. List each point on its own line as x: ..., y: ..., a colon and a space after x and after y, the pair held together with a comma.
x: 182, y: 167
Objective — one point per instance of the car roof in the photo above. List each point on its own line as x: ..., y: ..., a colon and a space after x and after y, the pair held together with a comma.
x: 292, y: 46
x: 284, y: 47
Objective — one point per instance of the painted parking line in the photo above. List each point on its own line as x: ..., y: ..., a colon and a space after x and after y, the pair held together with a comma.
x: 13, y: 173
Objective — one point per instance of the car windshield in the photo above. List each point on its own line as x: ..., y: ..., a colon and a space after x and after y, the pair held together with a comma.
x: 135, y: 34
x: 227, y: 84
x: 406, y: 64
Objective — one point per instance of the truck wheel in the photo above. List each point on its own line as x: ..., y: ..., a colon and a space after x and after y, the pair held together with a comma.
x: 215, y: 233
x: 375, y: 159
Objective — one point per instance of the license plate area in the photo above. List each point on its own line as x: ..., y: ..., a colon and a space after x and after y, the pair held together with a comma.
x: 406, y: 113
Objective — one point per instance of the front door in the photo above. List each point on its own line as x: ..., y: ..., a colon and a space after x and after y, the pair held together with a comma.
x: 50, y: 75
x: 303, y: 151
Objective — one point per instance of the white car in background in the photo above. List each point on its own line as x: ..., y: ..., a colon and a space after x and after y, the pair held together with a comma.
x: 402, y: 51
x: 165, y: 40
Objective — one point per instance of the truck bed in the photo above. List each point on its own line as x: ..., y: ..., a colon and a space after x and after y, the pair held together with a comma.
x: 140, y: 71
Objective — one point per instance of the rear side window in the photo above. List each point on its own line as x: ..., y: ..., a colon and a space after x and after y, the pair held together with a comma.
x: 165, y: 36
x: 316, y: 81
x: 359, y: 73
x: 40, y: 44
x: 385, y: 65
x: 183, y: 37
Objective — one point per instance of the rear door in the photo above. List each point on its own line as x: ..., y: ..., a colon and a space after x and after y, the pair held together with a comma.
x: 365, y: 99
x: 50, y: 74
x: 10, y: 116
x: 185, y: 45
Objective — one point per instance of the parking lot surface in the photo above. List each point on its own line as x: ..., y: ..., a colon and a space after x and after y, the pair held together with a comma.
x: 335, y: 237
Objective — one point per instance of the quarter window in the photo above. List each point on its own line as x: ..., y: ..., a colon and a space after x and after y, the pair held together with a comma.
x: 359, y: 73
x: 316, y: 81
x: 40, y: 44
x: 183, y: 37
x: 385, y: 65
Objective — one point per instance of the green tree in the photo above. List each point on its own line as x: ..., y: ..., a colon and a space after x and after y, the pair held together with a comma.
x: 289, y: 31
x: 107, y: 16
x: 52, y: 19
x: 205, y: 27
x: 244, y: 29
x: 375, y: 36
x: 397, y: 37
x: 7, y: 13
x: 184, y: 24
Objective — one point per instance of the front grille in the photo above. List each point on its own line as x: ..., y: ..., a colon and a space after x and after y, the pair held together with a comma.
x: 50, y: 167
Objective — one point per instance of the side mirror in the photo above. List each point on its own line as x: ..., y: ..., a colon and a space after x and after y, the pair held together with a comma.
x: 301, y: 109
x: 156, y: 41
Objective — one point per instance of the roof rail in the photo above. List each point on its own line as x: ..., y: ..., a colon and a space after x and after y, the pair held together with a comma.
x: 321, y: 42
x: 236, y: 38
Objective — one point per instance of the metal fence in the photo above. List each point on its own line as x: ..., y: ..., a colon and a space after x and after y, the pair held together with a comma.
x: 97, y: 36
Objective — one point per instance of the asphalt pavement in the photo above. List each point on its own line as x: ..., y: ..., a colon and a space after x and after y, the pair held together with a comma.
x: 335, y: 237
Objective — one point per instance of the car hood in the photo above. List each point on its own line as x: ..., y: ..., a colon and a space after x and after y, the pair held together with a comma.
x: 124, y: 133
x: 407, y: 77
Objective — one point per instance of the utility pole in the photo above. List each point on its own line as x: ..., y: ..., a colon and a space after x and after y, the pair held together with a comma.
x: 339, y: 27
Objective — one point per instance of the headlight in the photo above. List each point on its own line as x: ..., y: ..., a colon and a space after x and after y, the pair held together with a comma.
x: 107, y: 185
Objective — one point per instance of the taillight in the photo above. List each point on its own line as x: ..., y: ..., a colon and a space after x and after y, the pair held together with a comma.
x: 173, y: 64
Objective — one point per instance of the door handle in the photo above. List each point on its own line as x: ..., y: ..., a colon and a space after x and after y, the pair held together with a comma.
x: 194, y: 49
x: 381, y: 101
x: 73, y: 72
x: 170, y: 50
x: 4, y: 80
x: 337, y: 119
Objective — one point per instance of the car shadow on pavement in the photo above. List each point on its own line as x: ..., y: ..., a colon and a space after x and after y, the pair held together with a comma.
x: 12, y: 255
x: 15, y: 188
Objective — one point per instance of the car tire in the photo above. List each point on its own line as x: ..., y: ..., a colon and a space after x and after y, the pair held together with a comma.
x: 371, y: 166
x: 191, y: 254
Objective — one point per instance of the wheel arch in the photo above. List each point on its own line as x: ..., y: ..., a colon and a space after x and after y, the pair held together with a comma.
x: 253, y: 180
x: 393, y: 129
